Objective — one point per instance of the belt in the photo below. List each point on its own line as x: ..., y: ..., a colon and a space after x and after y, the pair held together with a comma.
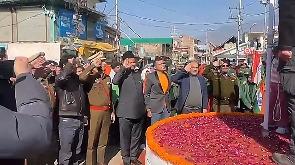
x: 221, y: 99
x: 103, y: 108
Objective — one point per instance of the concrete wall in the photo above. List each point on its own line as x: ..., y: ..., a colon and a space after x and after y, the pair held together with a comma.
x: 52, y: 50
x: 155, y: 49
x: 27, y: 24
x: 189, y: 42
x: 92, y: 4
x: 90, y: 30
x: 110, y: 35
x: 32, y: 25
x: 6, y: 26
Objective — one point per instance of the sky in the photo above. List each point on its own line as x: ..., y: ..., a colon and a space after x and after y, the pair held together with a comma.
x: 155, y: 18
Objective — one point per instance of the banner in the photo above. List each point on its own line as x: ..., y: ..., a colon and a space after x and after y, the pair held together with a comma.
x: 99, y: 31
x: 67, y: 27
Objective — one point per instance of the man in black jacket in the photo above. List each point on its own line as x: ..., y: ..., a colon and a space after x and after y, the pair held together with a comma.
x: 287, y: 70
x: 29, y: 131
x: 71, y: 99
x: 131, y: 108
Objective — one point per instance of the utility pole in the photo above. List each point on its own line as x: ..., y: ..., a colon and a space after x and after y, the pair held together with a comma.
x: 174, y: 35
x: 239, y: 30
x: 207, y: 46
x: 270, y: 38
x: 77, y: 18
x: 117, y: 25
x: 239, y: 18
x: 174, y: 32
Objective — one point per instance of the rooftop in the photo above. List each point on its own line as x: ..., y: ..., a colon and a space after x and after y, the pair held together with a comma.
x: 129, y: 42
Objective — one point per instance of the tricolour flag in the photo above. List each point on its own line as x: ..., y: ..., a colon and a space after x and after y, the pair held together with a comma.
x: 257, y: 68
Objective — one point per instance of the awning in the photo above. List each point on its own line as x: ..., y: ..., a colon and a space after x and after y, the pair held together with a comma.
x: 87, y: 49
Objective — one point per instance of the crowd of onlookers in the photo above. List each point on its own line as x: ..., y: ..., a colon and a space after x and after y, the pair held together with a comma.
x: 94, y: 103
x: 85, y: 98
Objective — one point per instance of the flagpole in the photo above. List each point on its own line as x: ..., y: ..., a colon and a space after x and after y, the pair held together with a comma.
x: 270, y: 37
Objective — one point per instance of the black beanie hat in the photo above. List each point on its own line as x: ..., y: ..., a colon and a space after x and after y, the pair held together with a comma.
x: 128, y: 54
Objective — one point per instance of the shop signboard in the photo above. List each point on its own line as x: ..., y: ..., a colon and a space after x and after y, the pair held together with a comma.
x: 99, y: 31
x: 67, y: 27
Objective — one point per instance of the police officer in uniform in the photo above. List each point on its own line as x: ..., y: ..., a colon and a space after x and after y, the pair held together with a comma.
x: 99, y: 87
x: 225, y: 86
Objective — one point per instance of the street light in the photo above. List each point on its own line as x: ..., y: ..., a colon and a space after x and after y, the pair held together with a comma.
x: 207, y: 45
x: 265, y: 3
x: 252, y: 27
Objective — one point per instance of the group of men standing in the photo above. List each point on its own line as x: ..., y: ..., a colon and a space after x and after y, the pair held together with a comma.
x: 88, y: 99
x: 136, y: 102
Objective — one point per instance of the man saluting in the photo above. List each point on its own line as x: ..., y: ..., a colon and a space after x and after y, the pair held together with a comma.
x: 131, y: 108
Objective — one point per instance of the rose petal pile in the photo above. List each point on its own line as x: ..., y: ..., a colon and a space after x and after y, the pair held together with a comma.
x: 220, y: 140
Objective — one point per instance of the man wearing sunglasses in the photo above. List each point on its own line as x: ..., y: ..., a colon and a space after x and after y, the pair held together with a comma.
x: 225, y: 86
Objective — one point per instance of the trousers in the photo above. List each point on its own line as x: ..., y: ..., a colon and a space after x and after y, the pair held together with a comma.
x: 287, y: 80
x: 160, y: 116
x: 71, y: 132
x: 100, y: 122
x: 223, y: 108
x: 186, y: 110
x: 130, y: 134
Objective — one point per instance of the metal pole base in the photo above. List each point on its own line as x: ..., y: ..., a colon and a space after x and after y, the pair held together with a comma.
x: 265, y: 133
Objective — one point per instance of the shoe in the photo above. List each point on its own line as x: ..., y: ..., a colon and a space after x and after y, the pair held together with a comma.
x: 126, y: 163
x: 283, y: 159
x: 142, y: 147
x: 55, y: 162
x: 136, y: 162
x: 272, y: 125
x: 282, y: 130
x: 82, y: 162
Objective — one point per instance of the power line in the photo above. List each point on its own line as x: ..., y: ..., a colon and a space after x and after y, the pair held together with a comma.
x: 125, y: 23
x: 164, y: 8
x: 250, y: 4
x: 124, y: 6
x: 105, y: 5
x: 111, y: 10
x: 21, y: 20
x: 126, y: 35
x: 167, y: 27
x: 158, y: 6
x: 258, y: 14
x: 130, y: 28
x: 175, y: 23
x: 4, y: 17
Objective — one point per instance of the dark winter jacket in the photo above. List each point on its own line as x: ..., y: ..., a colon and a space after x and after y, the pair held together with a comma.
x: 71, y: 96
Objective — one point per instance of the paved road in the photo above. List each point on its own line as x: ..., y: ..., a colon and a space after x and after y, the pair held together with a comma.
x: 113, y: 156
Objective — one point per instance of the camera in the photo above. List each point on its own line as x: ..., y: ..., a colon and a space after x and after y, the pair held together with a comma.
x: 2, y: 52
x: 6, y: 69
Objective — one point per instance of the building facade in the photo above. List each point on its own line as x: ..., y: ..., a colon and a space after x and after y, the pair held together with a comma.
x: 148, y: 47
x: 52, y: 21
x: 184, y: 48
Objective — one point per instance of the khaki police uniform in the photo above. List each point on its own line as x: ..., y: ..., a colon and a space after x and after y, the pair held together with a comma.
x: 99, y: 95
x: 225, y: 89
